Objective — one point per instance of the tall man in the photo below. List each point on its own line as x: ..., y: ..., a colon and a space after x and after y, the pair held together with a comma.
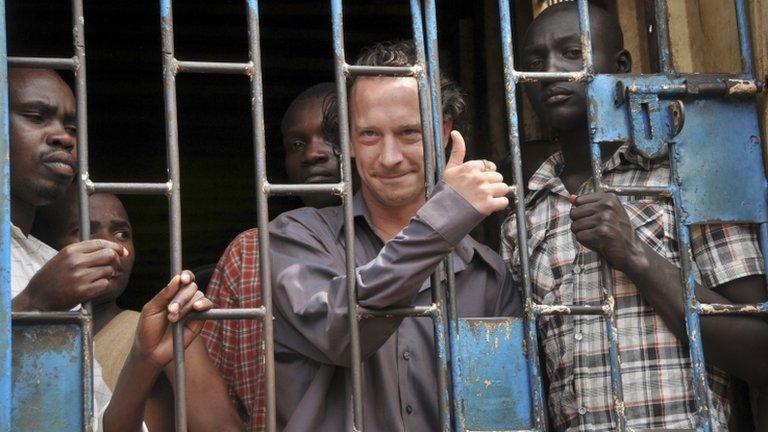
x: 572, y: 229
x: 42, y: 152
x: 400, y: 237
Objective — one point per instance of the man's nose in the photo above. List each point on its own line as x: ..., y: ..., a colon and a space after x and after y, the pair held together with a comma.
x: 317, y: 151
x: 391, y: 154
x: 60, y: 137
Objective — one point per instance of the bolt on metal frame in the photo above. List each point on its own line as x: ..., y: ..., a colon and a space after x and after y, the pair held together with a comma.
x: 694, y: 309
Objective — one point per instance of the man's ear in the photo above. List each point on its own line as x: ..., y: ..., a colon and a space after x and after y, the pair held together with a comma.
x: 623, y: 62
x: 447, y: 128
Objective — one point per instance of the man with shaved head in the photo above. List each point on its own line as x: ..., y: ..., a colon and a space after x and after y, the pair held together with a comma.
x: 573, y: 229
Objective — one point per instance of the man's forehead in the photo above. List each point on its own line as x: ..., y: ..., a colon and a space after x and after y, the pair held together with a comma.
x: 39, y: 84
x: 559, y: 23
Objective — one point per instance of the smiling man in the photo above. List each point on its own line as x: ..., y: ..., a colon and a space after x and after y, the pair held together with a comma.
x: 400, y: 238
x: 573, y: 229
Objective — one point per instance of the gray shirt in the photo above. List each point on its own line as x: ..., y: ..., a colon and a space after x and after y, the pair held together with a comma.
x: 312, y: 342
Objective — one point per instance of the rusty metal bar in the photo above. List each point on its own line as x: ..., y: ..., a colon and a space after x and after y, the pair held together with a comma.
x: 401, y: 71
x: 413, y: 311
x: 661, y: 19
x: 745, y: 43
x: 63, y: 63
x: 303, y: 189
x: 214, y: 67
x: 6, y: 294
x: 128, y: 188
x: 228, y: 314
x: 341, y: 69
x: 262, y: 217
x: 532, y: 334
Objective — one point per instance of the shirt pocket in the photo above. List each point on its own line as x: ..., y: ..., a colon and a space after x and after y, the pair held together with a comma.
x: 654, y: 224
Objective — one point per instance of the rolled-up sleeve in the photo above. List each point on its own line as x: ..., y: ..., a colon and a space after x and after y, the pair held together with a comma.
x: 310, y: 280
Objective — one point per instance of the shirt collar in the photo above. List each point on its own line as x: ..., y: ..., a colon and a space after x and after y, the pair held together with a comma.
x: 546, y: 178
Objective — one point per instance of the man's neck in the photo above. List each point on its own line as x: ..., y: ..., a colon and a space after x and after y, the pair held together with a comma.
x: 22, y: 215
x: 388, y: 220
x: 103, y: 313
x: 577, y: 155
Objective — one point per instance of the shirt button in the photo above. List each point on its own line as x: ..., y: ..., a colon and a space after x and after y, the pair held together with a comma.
x: 409, y: 409
x: 578, y: 336
x: 582, y: 410
x: 406, y: 355
x: 576, y: 269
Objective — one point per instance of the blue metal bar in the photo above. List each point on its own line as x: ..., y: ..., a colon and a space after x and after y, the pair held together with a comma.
x: 692, y: 319
x: 337, y: 25
x: 745, y: 43
x: 763, y: 233
x: 586, y: 38
x: 5, y: 237
x: 532, y: 335
x: 661, y: 17
x: 430, y: 139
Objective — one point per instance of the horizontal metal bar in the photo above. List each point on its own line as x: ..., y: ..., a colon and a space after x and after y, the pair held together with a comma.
x: 129, y: 188
x: 56, y: 317
x: 399, y: 71
x: 61, y: 63
x: 732, y: 309
x: 225, y: 314
x: 214, y: 67
x: 571, y: 310
x: 304, y: 189
x: 657, y: 191
x: 415, y: 311
x: 580, y: 76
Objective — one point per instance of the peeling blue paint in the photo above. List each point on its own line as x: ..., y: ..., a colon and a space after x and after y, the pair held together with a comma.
x: 5, y: 238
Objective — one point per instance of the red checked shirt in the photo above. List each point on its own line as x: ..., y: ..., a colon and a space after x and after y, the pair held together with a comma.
x: 236, y: 346
x: 656, y: 368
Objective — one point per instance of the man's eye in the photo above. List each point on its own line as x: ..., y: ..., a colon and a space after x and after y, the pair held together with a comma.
x: 71, y: 129
x: 535, y: 64
x: 297, y: 146
x: 123, y: 235
x: 368, y: 133
x: 34, y: 117
x: 573, y: 53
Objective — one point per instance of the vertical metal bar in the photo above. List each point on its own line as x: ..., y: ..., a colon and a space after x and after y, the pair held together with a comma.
x: 614, y: 357
x: 431, y: 139
x: 174, y: 199
x: 661, y: 17
x: 586, y: 38
x: 5, y: 237
x: 763, y: 233
x: 745, y: 43
x: 81, y: 95
x: 692, y: 318
x: 532, y: 335
x: 446, y: 304
x: 337, y: 24
x: 259, y: 144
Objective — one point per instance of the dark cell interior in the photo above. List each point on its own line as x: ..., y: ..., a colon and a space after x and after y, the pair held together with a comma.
x: 126, y: 123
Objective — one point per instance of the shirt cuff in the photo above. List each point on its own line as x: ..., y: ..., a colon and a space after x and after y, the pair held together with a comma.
x: 449, y: 214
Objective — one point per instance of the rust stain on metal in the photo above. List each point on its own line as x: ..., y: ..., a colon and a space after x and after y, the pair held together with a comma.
x: 741, y: 87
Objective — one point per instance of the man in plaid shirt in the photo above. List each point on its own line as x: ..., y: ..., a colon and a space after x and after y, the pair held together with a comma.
x: 573, y: 228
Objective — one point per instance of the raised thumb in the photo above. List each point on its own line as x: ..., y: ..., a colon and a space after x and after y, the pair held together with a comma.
x: 458, y: 150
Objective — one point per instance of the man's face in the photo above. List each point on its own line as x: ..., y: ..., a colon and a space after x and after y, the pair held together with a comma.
x: 309, y: 156
x: 43, y: 136
x: 385, y: 132
x: 553, y: 44
x: 109, y: 221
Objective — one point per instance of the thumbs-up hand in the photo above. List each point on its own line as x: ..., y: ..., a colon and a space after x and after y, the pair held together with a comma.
x: 476, y: 180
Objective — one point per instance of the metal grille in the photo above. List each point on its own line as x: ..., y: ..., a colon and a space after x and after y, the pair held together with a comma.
x: 443, y: 310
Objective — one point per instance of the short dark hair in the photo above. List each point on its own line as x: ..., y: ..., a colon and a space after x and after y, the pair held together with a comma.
x: 320, y: 91
x: 402, y: 53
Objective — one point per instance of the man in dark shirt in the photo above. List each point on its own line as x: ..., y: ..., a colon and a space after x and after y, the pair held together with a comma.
x: 400, y: 238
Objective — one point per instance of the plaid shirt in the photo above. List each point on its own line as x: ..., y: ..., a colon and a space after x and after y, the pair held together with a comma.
x: 236, y: 346
x: 656, y: 369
